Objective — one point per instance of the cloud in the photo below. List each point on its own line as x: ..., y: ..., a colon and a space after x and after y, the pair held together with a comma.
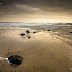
x: 67, y: 4
x: 16, y: 7
x: 27, y: 8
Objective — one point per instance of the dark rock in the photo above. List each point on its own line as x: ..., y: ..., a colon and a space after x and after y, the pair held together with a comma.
x: 29, y: 37
x: 22, y: 34
x: 15, y: 60
x: 70, y: 32
x: 48, y: 30
x: 34, y: 32
x: 27, y: 31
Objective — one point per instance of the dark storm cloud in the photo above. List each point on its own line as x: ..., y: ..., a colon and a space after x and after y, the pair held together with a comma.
x: 51, y: 3
x: 10, y: 5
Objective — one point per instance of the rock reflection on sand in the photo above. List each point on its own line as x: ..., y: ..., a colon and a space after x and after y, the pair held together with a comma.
x: 42, y: 53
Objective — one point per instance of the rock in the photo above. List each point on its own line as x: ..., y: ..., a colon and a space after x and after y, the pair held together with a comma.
x: 27, y: 31
x: 29, y: 37
x: 48, y: 30
x: 15, y: 60
x: 22, y: 34
x: 70, y: 32
x: 34, y: 32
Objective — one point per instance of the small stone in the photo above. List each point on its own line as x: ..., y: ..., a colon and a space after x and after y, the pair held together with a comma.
x: 29, y: 37
x: 22, y: 34
x: 34, y: 32
x: 70, y: 32
x: 27, y: 31
x: 48, y: 30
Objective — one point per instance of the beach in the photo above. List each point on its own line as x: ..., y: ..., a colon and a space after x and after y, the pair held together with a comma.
x: 44, y: 51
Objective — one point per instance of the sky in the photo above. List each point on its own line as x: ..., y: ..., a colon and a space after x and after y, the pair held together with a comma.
x: 36, y: 11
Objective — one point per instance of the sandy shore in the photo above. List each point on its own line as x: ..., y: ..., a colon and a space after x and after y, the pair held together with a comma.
x: 43, y: 52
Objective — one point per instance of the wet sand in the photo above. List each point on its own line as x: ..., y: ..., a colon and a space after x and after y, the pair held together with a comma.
x: 43, y: 52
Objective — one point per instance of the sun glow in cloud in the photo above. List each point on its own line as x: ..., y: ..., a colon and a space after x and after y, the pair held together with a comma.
x: 37, y: 16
